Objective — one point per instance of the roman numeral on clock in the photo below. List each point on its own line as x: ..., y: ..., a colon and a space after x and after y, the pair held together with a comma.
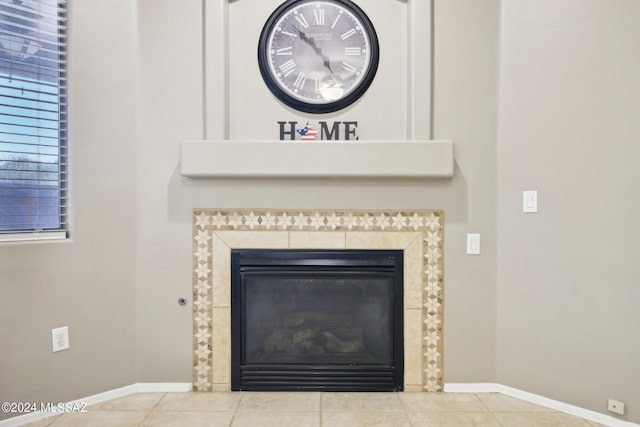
x: 300, y: 80
x: 319, y: 15
x: 350, y: 68
x: 348, y: 34
x: 288, y: 67
x: 302, y: 20
x: 335, y: 22
x: 288, y: 33
x: 285, y: 51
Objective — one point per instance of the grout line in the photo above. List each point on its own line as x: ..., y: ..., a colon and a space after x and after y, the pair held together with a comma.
x: 483, y: 402
x: 151, y: 410
x: 159, y: 400
x: 235, y: 412
x: 488, y: 409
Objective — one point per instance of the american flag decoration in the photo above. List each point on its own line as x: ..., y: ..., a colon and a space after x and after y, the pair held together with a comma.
x: 308, y: 133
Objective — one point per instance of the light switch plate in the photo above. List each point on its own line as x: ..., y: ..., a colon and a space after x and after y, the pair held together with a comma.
x: 473, y: 244
x: 530, y: 201
x: 60, y: 338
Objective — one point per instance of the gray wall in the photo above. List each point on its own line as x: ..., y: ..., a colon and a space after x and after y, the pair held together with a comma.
x: 86, y: 283
x: 568, y: 294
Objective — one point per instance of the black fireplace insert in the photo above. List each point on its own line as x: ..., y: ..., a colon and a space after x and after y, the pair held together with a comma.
x: 323, y: 320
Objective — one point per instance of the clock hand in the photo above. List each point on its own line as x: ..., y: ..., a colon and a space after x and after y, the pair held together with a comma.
x: 307, y: 40
x: 311, y: 42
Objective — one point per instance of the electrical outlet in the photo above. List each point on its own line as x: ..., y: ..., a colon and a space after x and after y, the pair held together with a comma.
x: 616, y: 406
x: 60, y: 338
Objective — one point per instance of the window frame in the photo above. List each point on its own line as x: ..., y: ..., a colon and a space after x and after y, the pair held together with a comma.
x: 42, y: 71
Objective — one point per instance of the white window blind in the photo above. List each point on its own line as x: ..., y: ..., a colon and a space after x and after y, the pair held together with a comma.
x: 33, y: 119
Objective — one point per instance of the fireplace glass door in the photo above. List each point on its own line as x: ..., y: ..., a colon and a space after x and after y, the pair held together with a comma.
x: 317, y: 320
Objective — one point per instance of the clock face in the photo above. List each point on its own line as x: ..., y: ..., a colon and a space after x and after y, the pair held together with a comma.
x: 318, y: 56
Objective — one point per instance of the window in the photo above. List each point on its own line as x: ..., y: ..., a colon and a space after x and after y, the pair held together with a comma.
x: 33, y: 119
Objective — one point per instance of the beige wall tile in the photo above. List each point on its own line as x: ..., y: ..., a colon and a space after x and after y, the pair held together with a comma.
x: 221, y: 290
x: 255, y: 239
x: 221, y: 341
x: 316, y: 240
x: 412, y: 347
x: 380, y: 240
x: 413, y: 266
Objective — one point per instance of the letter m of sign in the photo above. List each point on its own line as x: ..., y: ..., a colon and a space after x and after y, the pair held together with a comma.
x: 328, y: 135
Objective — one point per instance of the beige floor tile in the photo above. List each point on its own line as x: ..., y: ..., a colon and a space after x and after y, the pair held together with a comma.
x: 365, y: 419
x: 280, y: 401
x: 539, y: 419
x: 497, y: 402
x: 453, y: 419
x: 424, y: 402
x: 135, y: 402
x: 276, y: 419
x: 314, y: 409
x: 186, y: 418
x: 102, y: 419
x: 344, y: 402
x: 199, y: 402
x: 43, y: 423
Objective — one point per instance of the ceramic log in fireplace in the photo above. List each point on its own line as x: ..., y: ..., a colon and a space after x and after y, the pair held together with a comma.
x: 328, y: 320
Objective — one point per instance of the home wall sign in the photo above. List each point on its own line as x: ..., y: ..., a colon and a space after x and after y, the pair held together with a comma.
x: 322, y: 131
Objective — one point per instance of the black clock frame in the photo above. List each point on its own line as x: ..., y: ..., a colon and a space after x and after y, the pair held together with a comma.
x: 307, y: 107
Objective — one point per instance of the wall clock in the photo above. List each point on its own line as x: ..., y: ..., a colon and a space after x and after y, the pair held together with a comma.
x: 318, y: 56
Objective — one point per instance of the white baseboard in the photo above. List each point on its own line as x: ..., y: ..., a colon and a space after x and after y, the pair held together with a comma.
x: 164, y: 387
x: 99, y: 398
x: 472, y: 388
x: 539, y: 400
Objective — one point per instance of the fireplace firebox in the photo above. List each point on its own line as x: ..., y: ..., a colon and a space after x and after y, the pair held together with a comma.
x: 316, y: 320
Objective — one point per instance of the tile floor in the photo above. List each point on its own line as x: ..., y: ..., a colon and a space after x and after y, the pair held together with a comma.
x: 315, y: 409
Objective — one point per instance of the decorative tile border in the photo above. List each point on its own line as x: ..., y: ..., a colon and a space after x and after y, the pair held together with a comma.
x: 216, y: 231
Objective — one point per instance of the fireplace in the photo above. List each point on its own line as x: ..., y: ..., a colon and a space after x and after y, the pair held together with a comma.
x: 327, y: 320
x: 418, y: 234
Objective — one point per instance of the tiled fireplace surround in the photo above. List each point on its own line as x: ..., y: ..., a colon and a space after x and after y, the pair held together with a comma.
x: 420, y: 234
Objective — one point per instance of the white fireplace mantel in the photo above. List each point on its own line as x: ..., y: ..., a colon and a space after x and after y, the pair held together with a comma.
x: 326, y: 159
